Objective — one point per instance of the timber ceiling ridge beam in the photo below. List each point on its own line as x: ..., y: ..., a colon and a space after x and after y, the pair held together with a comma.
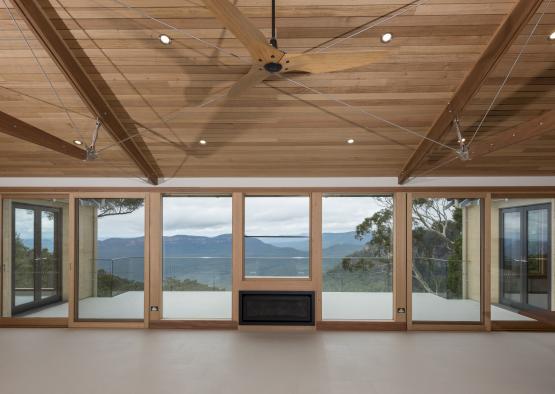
x: 24, y: 131
x: 38, y: 21
x: 501, y: 41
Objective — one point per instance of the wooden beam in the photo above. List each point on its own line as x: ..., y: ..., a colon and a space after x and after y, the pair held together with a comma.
x: 515, y: 135
x: 505, y: 35
x: 48, y: 35
x: 24, y: 131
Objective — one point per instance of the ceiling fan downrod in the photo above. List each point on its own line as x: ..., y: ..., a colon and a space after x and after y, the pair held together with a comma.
x: 273, y: 40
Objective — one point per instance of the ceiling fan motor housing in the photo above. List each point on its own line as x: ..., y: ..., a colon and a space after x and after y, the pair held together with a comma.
x: 273, y: 67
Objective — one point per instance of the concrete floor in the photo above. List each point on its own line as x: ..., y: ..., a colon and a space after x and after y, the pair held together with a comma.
x: 67, y: 361
x: 207, y: 305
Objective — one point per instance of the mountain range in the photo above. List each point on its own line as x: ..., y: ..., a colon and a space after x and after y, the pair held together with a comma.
x: 208, y: 259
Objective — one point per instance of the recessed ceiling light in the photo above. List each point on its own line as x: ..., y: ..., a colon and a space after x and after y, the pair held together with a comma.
x: 165, y: 39
x: 202, y: 142
x: 350, y: 141
x: 552, y: 36
x: 77, y: 142
x: 387, y: 37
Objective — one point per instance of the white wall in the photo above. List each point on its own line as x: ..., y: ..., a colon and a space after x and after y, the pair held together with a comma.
x: 282, y: 182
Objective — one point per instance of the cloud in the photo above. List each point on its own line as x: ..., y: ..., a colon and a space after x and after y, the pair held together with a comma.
x: 211, y: 216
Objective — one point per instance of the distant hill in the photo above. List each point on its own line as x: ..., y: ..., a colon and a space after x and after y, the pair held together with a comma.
x: 328, y: 240
x: 208, y: 259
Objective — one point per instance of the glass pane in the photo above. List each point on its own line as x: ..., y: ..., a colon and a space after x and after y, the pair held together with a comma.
x: 24, y: 256
x: 446, y: 260
x: 522, y: 271
x: 111, y: 259
x: 48, y: 264
x: 277, y: 241
x: 538, y: 246
x: 197, y: 250
x: 512, y: 257
x: 357, y: 258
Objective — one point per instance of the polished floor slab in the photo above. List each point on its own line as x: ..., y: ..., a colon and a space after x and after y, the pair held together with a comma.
x: 209, y: 305
x: 87, y: 361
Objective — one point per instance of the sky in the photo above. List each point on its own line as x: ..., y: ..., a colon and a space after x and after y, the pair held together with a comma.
x: 25, y: 224
x: 211, y: 216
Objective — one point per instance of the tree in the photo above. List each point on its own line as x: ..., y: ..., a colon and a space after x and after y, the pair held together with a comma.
x: 437, y: 243
x: 114, y: 206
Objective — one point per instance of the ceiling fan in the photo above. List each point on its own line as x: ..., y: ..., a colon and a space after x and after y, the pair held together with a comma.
x: 268, y: 59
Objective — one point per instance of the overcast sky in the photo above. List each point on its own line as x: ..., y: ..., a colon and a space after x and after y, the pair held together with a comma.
x: 212, y: 216
x: 263, y: 216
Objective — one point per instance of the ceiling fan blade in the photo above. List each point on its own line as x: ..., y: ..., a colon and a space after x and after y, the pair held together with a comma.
x: 328, y: 62
x: 252, y: 78
x: 244, y: 30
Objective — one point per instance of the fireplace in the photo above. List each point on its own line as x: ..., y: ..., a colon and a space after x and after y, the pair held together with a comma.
x: 276, y: 308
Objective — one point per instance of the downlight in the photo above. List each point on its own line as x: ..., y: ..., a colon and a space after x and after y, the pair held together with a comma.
x: 78, y: 142
x: 350, y: 141
x: 165, y: 39
x: 202, y: 142
x: 552, y: 36
x: 387, y: 37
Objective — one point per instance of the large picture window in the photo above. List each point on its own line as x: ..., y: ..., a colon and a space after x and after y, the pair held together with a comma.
x: 357, y: 257
x: 197, y: 257
x: 277, y: 237
x: 446, y: 263
x: 110, y: 259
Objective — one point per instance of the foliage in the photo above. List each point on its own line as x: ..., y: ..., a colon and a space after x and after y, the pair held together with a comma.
x: 437, y: 251
x: 174, y: 284
x: 25, y: 264
x: 109, y: 285
x: 114, y: 206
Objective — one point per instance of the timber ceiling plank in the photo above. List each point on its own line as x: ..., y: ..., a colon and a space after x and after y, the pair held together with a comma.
x: 507, y: 32
x: 48, y: 35
x: 26, y: 132
x: 282, y: 130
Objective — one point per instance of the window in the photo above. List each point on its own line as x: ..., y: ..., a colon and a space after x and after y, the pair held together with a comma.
x: 277, y: 240
x: 197, y: 257
x: 110, y: 259
x: 521, y: 262
x: 35, y: 255
x: 357, y: 257
x: 446, y: 265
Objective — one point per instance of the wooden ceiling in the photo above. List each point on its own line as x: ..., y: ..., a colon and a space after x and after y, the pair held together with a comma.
x: 278, y: 128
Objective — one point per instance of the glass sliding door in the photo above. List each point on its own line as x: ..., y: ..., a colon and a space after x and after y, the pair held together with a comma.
x: 110, y: 259
x: 357, y: 257
x: 197, y: 257
x: 36, y: 257
x: 525, y: 263
x: 446, y: 260
x: 23, y: 260
x: 511, y: 263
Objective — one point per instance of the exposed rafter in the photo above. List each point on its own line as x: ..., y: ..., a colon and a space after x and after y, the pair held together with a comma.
x: 505, y: 35
x: 24, y: 131
x: 48, y: 35
x: 533, y: 128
